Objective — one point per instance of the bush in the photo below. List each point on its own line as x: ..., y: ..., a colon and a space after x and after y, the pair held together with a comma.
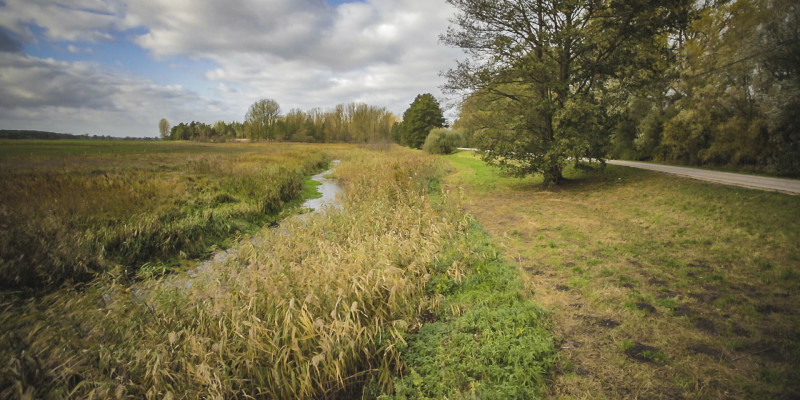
x: 443, y: 141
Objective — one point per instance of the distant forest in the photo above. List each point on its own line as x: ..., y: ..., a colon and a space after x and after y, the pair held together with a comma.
x: 44, y: 135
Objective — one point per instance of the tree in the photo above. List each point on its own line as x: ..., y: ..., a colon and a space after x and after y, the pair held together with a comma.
x: 423, y: 115
x: 163, y: 127
x: 548, y: 72
x: 261, y: 118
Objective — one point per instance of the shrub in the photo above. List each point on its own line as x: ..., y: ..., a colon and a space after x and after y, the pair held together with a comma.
x: 443, y: 141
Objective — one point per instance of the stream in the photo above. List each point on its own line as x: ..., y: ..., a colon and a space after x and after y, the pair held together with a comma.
x: 328, y: 188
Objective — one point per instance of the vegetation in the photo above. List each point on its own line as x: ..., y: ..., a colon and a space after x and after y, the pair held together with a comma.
x: 72, y: 210
x: 421, y: 116
x: 261, y: 119
x: 731, y: 96
x: 550, y: 73
x: 443, y: 141
x: 485, y: 341
x: 350, y: 123
x: 659, y: 287
x: 702, y: 83
x: 320, y: 307
x: 163, y: 128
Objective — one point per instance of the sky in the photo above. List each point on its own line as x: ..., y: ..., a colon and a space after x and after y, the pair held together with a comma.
x: 116, y: 67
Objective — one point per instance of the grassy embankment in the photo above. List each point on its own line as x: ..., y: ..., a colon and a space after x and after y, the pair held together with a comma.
x: 327, y: 305
x: 659, y: 286
x: 74, y: 209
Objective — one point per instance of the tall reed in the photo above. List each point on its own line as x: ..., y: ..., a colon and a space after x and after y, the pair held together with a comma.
x: 68, y: 218
x: 315, y: 308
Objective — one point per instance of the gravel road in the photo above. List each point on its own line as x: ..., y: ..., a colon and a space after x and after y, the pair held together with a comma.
x: 791, y: 186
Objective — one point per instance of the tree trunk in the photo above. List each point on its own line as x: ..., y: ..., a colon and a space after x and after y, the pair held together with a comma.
x: 552, y: 176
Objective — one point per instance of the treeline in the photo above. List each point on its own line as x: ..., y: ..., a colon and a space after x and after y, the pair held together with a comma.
x: 732, y: 94
x: 45, y: 135
x: 352, y: 123
x: 722, y: 89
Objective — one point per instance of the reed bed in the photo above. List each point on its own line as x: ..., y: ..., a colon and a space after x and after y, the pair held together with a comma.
x: 315, y: 308
x: 68, y: 216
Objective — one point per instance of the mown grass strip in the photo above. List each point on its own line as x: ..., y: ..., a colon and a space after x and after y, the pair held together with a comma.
x: 486, y: 340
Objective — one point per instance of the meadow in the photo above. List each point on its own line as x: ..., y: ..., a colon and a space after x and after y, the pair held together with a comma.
x: 658, y: 286
x: 72, y: 210
x: 348, y: 303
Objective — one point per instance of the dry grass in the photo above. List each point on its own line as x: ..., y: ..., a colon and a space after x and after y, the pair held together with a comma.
x: 72, y: 210
x: 317, y: 307
x: 660, y: 287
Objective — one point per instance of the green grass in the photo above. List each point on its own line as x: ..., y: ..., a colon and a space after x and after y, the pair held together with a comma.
x: 486, y: 340
x: 703, y: 276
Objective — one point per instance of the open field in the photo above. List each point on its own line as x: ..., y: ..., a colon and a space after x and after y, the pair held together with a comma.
x: 659, y: 287
x: 74, y: 209
x: 328, y: 305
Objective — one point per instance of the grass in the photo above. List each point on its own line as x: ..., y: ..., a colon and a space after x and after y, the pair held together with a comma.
x: 485, y: 341
x: 331, y: 305
x: 658, y: 286
x: 74, y: 209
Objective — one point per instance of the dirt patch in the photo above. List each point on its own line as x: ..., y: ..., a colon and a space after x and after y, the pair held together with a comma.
x: 771, y: 309
x: 699, y: 264
x: 667, y: 295
x: 608, y: 323
x: 684, y: 311
x: 646, y: 307
x: 657, y: 282
x: 532, y: 270
x: 704, y: 297
x: 627, y: 285
x: 562, y: 288
x: 739, y: 331
x: 644, y: 353
x: 706, y: 326
x: 700, y: 348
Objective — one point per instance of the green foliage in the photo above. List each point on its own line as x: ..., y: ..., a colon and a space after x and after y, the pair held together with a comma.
x: 421, y: 116
x: 351, y: 123
x: 488, y: 342
x: 548, y: 77
x: 730, y: 95
x: 443, y: 141
x: 261, y: 119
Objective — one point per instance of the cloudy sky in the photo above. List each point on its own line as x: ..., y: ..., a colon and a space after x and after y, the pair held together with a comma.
x: 116, y: 67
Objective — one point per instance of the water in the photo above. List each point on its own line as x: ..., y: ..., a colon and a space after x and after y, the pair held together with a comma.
x: 328, y: 188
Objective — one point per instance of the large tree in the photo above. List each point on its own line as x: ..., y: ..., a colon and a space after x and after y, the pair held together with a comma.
x: 423, y: 115
x: 261, y: 119
x: 549, y: 72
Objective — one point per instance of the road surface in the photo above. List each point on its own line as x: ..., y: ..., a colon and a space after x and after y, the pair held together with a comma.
x: 790, y: 186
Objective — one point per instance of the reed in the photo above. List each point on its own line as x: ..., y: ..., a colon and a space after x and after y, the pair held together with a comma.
x: 315, y: 308
x: 67, y: 217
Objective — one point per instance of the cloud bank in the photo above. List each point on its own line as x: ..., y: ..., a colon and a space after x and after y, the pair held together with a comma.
x: 302, y: 53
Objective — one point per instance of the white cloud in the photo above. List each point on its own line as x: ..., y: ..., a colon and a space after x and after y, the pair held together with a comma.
x: 302, y: 53
x: 46, y: 94
x: 64, y: 20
